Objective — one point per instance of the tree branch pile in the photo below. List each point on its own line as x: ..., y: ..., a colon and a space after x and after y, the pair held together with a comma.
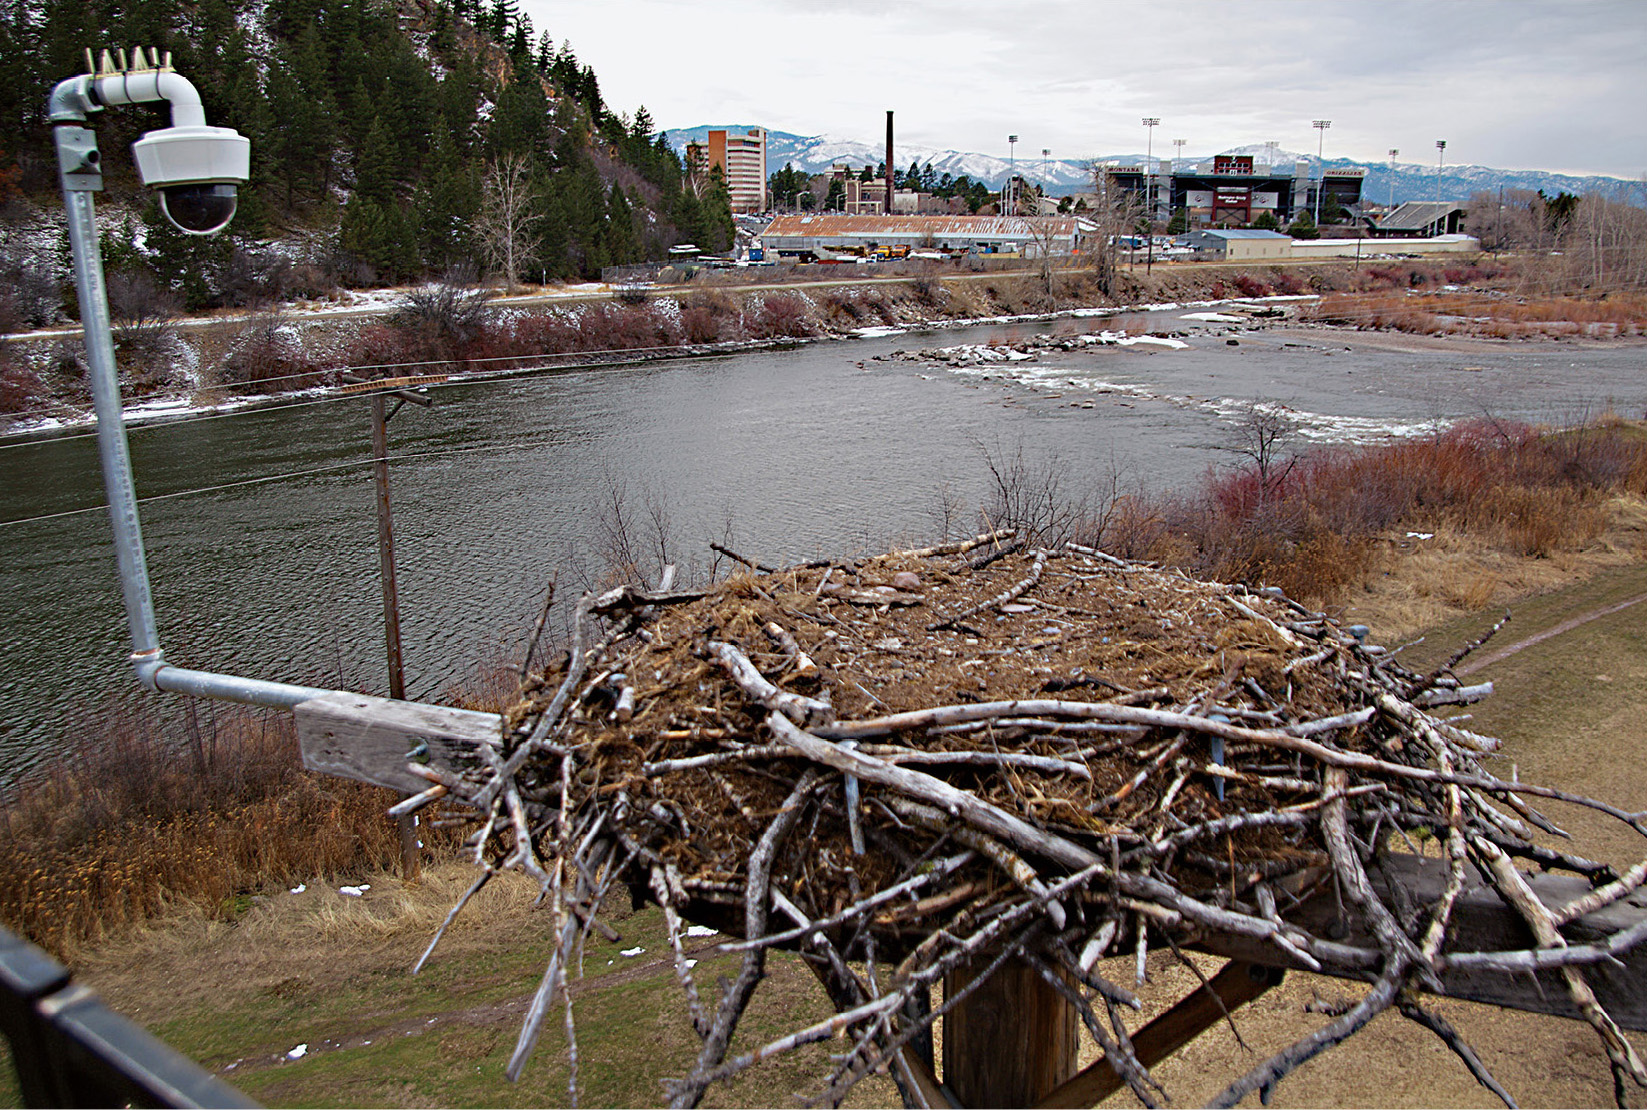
x: 956, y: 756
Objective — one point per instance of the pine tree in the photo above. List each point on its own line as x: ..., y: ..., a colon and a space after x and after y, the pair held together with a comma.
x: 520, y: 119
x: 378, y: 166
x: 621, y: 242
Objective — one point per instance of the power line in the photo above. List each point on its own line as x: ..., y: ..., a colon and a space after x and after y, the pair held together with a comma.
x: 286, y: 475
x: 277, y: 404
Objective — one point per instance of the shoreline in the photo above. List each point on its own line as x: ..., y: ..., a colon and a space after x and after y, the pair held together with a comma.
x: 176, y: 409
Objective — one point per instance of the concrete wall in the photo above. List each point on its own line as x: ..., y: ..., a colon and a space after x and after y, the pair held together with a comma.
x: 1371, y: 248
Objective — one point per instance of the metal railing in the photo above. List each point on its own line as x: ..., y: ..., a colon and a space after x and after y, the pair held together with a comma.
x: 69, y: 1049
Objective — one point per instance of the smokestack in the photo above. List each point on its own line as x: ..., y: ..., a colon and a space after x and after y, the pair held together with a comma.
x: 889, y: 162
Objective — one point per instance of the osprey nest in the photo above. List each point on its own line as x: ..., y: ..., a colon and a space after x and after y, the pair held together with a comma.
x: 981, y: 752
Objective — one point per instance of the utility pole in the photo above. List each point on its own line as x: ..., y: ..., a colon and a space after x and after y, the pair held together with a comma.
x: 411, y: 863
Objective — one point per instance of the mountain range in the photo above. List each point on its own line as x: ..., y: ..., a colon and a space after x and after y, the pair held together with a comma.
x: 1062, y: 176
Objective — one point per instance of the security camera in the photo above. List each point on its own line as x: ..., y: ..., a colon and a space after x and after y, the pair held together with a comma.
x: 197, y: 170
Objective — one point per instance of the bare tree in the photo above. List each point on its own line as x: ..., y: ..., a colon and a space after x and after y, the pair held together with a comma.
x: 1261, y: 435
x: 507, y: 217
x: 1115, y: 214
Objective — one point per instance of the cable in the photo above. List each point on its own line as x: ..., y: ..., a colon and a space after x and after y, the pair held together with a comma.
x: 516, y: 448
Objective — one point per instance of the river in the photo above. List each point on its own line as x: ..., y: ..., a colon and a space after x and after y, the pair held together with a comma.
x: 503, y: 485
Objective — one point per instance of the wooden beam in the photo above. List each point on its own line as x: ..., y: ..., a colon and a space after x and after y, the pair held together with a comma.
x: 1236, y: 984
x: 1011, y: 1041
x: 1483, y: 923
x: 356, y: 736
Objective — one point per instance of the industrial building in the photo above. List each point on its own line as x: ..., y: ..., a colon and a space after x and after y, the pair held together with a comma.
x: 1233, y: 190
x: 741, y: 157
x: 827, y: 236
x: 1238, y: 245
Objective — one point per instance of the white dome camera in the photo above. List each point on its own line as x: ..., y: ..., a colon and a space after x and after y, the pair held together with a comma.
x: 198, y: 171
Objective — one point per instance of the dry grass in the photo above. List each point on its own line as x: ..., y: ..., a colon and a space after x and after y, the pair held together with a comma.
x: 157, y: 961
x: 148, y: 817
x: 1485, y: 314
x: 1422, y: 581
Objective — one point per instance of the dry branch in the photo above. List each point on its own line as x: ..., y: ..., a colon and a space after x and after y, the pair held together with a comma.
x: 1214, y: 758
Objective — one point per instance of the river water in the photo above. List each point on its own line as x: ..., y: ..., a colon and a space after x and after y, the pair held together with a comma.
x: 831, y: 448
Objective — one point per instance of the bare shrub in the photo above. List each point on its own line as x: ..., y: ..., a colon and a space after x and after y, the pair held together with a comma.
x: 700, y: 324
x: 30, y: 296
x: 928, y: 290
x: 780, y: 316
x: 268, y: 357
x: 20, y: 387
x: 144, y: 320
x: 1038, y: 497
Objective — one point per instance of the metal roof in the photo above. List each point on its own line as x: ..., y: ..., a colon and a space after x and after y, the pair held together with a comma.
x: 1240, y: 233
x: 1416, y: 215
x: 955, y: 227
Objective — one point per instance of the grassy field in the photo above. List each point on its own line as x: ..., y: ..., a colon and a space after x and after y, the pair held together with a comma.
x: 330, y: 972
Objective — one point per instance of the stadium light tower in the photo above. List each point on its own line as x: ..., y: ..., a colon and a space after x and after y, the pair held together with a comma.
x: 1320, y: 126
x: 1440, y: 157
x: 1393, y: 153
x: 1012, y: 174
x: 1151, y: 123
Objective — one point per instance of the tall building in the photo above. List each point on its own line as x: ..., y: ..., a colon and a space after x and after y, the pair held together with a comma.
x: 741, y: 157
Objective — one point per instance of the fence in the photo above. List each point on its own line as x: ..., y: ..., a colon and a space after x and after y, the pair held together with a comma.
x: 71, y: 1050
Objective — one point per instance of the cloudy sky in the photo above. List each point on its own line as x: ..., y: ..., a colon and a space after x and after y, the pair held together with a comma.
x: 1551, y: 85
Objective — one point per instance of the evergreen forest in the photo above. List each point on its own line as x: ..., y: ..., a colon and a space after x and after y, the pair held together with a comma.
x: 392, y: 140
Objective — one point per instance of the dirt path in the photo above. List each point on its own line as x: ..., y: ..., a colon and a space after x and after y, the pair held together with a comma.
x: 1481, y: 662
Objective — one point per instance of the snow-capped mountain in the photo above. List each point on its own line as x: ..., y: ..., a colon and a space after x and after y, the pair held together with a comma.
x: 816, y: 153
x: 1410, y: 180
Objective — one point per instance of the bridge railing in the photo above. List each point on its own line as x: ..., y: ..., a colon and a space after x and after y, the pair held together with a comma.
x: 69, y: 1049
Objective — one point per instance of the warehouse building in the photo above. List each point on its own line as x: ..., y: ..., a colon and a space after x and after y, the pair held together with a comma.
x: 1237, y: 245
x: 824, y: 236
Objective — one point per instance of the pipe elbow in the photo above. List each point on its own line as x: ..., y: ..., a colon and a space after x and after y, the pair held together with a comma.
x: 72, y: 100
x: 148, y: 665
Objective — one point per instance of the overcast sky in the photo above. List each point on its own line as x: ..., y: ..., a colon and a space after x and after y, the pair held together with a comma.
x: 1551, y: 85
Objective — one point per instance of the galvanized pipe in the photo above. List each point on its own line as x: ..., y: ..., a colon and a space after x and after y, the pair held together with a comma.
x: 80, y: 173
x: 111, y: 428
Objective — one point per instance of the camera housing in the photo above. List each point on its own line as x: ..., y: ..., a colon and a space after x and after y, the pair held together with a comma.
x: 198, y: 171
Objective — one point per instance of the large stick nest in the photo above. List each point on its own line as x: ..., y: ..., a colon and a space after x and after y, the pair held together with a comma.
x: 970, y: 754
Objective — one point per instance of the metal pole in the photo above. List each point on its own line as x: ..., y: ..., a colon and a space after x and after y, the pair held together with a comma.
x: 1320, y: 126
x: 105, y: 386
x: 1149, y: 192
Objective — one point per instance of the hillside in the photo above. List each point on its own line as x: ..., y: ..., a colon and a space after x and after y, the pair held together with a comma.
x: 383, y: 139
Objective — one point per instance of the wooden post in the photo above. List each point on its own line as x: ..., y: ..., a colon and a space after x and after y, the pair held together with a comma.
x: 1234, y: 986
x: 1012, y: 1041
x: 411, y: 860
